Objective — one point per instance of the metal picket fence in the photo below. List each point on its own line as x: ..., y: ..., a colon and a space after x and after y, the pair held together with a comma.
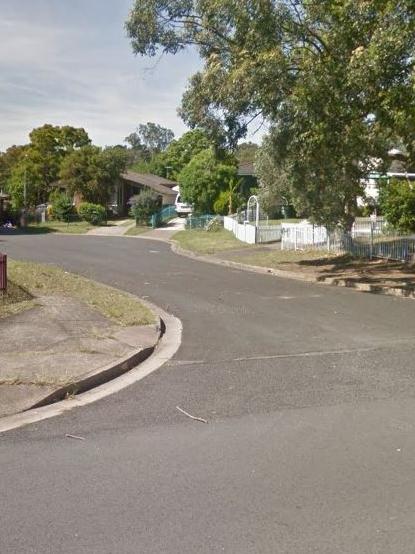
x: 198, y: 222
x: 368, y: 238
x: 164, y: 215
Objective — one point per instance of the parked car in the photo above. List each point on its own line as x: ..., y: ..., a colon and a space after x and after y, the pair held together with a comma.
x: 182, y: 208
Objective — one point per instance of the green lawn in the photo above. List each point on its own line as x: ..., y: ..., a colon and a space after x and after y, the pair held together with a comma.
x: 57, y: 227
x: 28, y: 280
x: 205, y: 242
x: 275, y: 258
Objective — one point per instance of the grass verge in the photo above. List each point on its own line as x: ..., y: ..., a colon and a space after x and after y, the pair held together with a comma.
x: 204, y: 242
x: 37, y: 280
x: 15, y: 300
x: 74, y: 227
x: 275, y: 258
x: 137, y: 230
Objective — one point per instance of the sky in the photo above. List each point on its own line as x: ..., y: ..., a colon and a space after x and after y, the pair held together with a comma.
x: 69, y: 62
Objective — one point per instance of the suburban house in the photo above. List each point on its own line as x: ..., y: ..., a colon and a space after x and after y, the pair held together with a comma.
x: 397, y: 169
x: 132, y: 183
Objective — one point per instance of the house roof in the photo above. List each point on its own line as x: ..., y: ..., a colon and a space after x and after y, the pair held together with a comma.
x: 154, y: 182
x: 246, y: 168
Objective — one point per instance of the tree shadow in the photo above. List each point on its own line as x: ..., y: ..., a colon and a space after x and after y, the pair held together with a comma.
x: 26, y: 231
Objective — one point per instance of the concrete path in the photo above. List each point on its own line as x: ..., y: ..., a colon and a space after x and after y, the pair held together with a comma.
x: 167, y: 231
x: 115, y: 229
x: 55, y: 344
x: 309, y: 392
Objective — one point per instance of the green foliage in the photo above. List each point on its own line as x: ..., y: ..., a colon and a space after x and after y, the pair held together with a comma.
x: 230, y: 200
x: 177, y: 155
x: 152, y: 137
x: 181, y: 151
x: 62, y: 207
x: 246, y: 152
x: 204, y: 178
x: 92, y: 213
x: 37, y: 164
x: 8, y: 160
x: 397, y: 202
x: 144, y: 205
x: 334, y: 79
x: 91, y: 171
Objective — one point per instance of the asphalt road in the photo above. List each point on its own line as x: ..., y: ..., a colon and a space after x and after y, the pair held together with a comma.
x: 309, y: 393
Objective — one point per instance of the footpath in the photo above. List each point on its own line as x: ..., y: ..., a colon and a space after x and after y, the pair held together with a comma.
x: 66, y: 335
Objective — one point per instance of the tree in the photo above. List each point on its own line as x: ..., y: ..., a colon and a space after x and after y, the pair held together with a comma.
x: 55, y: 140
x: 397, y: 204
x: 8, y: 160
x: 335, y: 79
x: 246, y: 151
x: 274, y: 186
x: 92, y: 171
x: 176, y: 156
x: 35, y: 168
x: 204, y: 178
x: 179, y: 152
x: 154, y: 137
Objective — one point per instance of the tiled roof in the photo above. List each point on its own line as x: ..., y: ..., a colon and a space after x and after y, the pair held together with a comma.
x: 154, y: 182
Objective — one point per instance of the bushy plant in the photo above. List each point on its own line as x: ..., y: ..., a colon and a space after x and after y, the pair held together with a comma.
x: 62, y: 207
x: 92, y: 213
x: 228, y: 201
x: 397, y: 203
x: 144, y: 205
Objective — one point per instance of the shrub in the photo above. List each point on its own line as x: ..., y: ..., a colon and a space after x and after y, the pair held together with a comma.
x: 144, y: 205
x: 93, y: 213
x: 221, y: 204
x: 62, y: 208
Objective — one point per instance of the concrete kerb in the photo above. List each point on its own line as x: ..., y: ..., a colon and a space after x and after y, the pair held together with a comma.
x: 107, y: 380
x: 320, y: 280
x: 103, y: 374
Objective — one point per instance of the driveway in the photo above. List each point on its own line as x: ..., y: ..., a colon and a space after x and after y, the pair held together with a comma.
x: 309, y: 394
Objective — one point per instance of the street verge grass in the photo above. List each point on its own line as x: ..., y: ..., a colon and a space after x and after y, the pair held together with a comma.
x: 74, y: 227
x: 15, y: 300
x: 38, y: 279
x: 208, y: 242
x: 275, y: 258
x: 137, y: 230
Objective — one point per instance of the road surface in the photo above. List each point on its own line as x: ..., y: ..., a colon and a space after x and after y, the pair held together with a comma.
x: 309, y: 394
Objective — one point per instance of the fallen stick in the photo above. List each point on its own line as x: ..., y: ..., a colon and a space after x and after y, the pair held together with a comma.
x: 191, y: 417
x: 74, y: 437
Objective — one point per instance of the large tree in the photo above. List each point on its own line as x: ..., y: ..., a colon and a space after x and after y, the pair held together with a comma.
x: 335, y: 79
x: 152, y: 137
x: 35, y: 168
x: 91, y: 172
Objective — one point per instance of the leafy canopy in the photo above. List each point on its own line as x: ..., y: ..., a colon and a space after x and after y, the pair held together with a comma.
x: 397, y: 204
x: 91, y: 172
x: 204, y: 178
x: 334, y: 79
x: 36, y: 166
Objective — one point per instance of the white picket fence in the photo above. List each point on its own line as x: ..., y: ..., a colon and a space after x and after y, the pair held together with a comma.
x: 268, y: 233
x: 242, y: 231
x: 300, y: 236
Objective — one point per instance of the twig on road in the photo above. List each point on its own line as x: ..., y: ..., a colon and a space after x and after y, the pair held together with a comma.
x: 74, y: 437
x: 191, y: 417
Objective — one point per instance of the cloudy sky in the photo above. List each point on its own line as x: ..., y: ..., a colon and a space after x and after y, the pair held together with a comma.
x: 69, y: 62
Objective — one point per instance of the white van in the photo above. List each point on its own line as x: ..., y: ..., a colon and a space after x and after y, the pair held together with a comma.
x: 182, y: 208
